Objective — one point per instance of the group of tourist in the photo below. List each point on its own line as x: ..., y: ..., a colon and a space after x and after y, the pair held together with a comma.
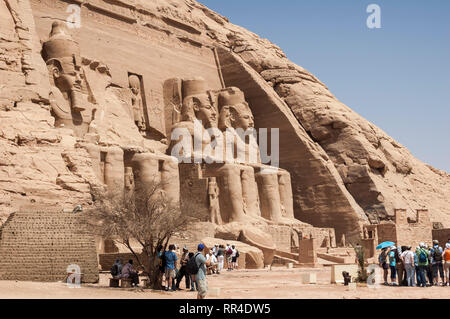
x: 421, y: 267
x: 193, y: 267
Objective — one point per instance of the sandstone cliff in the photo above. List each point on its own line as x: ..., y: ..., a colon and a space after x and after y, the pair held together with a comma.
x: 345, y: 171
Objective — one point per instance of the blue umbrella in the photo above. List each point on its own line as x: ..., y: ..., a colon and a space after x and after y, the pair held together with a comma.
x: 385, y: 244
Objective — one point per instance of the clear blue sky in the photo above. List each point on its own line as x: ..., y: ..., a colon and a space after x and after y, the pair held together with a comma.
x: 397, y: 77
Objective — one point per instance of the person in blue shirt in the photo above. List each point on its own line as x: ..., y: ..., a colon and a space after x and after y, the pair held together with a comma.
x: 392, y: 265
x: 200, y: 277
x: 171, y: 264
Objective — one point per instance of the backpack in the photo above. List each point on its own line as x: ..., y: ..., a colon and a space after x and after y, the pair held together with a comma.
x: 237, y: 253
x: 229, y: 251
x: 191, y: 267
x: 422, y: 256
x: 437, y: 255
x: 382, y: 258
x: 114, y: 270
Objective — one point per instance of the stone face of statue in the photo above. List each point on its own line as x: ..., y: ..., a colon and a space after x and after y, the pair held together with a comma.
x: 63, y: 60
x: 235, y: 112
x: 242, y: 117
x: 69, y: 96
x: 205, y: 112
x: 134, y: 86
x: 68, y: 78
x: 237, y: 122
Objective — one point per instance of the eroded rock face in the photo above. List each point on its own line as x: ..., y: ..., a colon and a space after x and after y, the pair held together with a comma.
x: 344, y: 170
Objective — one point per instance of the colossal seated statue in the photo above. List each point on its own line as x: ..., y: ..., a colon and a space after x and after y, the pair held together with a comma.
x: 248, y: 190
x: 191, y: 138
x: 198, y: 114
x: 69, y: 93
x: 273, y: 184
x: 237, y: 124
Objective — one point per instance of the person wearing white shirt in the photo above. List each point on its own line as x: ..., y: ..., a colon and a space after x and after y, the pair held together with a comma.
x: 213, y: 262
x: 408, y: 260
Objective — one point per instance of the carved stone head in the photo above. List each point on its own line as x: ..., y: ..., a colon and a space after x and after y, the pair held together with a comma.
x: 197, y: 103
x: 62, y: 56
x: 234, y: 110
x: 135, y: 84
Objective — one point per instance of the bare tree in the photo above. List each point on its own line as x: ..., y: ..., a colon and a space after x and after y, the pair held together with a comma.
x: 147, y: 216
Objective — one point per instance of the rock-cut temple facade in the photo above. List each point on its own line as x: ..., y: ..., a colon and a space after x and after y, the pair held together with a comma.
x: 92, y: 101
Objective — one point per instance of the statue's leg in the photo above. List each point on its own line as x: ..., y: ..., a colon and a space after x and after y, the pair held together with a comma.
x: 218, y: 218
x: 269, y: 195
x: 250, y: 191
x: 230, y: 193
x: 170, y: 179
x: 114, y: 170
x: 94, y: 152
x: 145, y: 170
x: 286, y: 197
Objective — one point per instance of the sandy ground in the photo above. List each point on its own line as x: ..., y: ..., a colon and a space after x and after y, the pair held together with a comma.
x: 278, y: 283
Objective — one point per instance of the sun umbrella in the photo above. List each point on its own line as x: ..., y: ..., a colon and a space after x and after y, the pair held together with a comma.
x: 385, y: 244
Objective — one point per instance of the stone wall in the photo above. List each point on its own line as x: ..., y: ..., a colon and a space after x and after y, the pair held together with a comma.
x: 39, y: 246
x: 194, y: 194
x: 407, y: 231
x: 387, y: 232
x: 281, y: 237
x: 414, y: 232
x: 442, y: 235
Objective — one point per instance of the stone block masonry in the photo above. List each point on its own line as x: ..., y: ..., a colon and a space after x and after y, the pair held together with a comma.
x: 40, y: 247
x: 441, y: 235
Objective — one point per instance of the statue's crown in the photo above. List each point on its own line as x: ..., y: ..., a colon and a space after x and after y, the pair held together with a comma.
x: 60, y: 45
x: 231, y: 96
x: 194, y: 86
